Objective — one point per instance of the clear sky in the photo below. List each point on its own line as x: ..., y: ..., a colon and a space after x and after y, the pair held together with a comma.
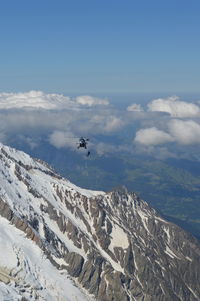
x: 91, y: 46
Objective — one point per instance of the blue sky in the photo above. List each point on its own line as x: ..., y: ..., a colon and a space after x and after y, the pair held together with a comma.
x: 100, y: 46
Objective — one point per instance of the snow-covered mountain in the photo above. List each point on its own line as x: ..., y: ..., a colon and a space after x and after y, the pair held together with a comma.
x: 61, y: 242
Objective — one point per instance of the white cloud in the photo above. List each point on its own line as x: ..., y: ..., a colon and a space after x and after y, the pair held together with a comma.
x: 34, y: 116
x: 152, y: 136
x: 61, y: 139
x: 179, y: 131
x: 185, y: 132
x: 113, y: 123
x: 36, y: 111
x: 89, y: 101
x: 102, y: 123
x: 135, y: 108
x: 104, y: 148
x: 35, y: 100
x: 175, y: 107
x: 40, y: 100
x: 56, y: 117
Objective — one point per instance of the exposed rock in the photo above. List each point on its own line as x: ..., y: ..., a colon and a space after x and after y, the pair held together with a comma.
x: 114, y: 245
x: 75, y: 263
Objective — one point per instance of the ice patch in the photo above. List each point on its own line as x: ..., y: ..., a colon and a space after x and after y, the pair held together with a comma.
x: 169, y: 252
x: 144, y: 219
x: 119, y: 238
x: 29, y: 266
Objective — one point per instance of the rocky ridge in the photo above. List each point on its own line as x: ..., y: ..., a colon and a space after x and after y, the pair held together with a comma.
x: 113, y: 245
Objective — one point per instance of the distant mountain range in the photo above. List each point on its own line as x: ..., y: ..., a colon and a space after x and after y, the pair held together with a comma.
x: 61, y: 242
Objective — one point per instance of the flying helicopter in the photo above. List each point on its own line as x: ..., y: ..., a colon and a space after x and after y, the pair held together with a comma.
x: 83, y: 144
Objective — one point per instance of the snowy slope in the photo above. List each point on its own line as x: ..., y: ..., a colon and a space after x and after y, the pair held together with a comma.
x: 29, y: 273
x: 61, y: 242
x: 21, y: 260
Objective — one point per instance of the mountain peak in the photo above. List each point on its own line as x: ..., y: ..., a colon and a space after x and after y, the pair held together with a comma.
x: 106, y: 246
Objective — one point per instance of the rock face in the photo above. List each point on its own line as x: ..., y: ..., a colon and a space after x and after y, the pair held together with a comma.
x: 113, y: 245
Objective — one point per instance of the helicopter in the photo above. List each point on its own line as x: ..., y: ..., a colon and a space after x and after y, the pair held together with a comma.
x: 83, y: 144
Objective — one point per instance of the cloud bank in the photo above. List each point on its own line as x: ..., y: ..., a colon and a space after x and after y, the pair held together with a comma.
x: 175, y: 134
x: 89, y: 101
x: 175, y: 107
x: 152, y: 136
x: 32, y: 116
x: 179, y: 131
x: 135, y: 108
x: 35, y: 116
x: 61, y: 139
x: 185, y: 132
x: 40, y: 100
x: 34, y: 100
